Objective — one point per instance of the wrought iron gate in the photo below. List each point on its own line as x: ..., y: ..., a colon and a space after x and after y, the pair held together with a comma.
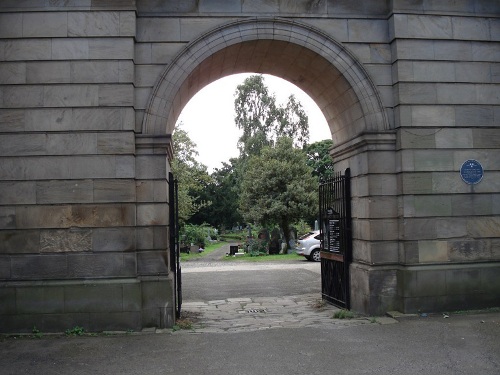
x: 175, y: 264
x: 336, y: 239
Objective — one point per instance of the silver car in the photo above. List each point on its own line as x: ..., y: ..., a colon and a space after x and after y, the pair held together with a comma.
x: 308, y: 246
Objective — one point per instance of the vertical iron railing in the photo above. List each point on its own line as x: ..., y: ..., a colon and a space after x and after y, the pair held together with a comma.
x: 336, y: 239
x: 175, y: 264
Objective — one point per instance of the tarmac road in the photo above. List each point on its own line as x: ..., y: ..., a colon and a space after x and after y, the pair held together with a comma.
x: 458, y: 345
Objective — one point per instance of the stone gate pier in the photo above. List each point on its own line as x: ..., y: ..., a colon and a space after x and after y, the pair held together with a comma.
x: 90, y: 91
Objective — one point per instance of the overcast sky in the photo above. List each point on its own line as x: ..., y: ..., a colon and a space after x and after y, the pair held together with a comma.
x: 208, y: 118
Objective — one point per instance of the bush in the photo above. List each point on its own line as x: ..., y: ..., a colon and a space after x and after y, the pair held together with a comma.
x: 197, y: 234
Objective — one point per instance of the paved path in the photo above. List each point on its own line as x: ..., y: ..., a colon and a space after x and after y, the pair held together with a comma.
x: 236, y: 296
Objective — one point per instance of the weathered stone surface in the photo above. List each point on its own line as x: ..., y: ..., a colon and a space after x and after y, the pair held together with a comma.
x: 89, y: 298
x: 38, y: 300
x: 21, y: 192
x: 113, y: 239
x: 66, y: 216
x: 19, y: 242
x: 93, y: 24
x: 114, y: 191
x: 45, y: 24
x: 432, y: 251
x: 152, y: 214
x: 12, y: 73
x: 116, y: 95
x: 70, y: 240
x: 101, y: 265
x: 76, y: 167
x: 469, y: 250
x: 158, y: 29
x: 152, y: 263
x: 38, y: 267
x: 26, y: 49
x: 11, y: 25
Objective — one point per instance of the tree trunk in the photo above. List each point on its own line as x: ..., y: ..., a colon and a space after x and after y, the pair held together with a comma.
x: 286, y: 232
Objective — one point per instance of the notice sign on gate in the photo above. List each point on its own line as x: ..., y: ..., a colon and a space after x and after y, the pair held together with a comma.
x: 332, y: 231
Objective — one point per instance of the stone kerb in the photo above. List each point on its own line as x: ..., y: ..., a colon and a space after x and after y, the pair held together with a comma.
x: 164, y: 103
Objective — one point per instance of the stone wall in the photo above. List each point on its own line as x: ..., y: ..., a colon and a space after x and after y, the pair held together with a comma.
x: 413, y: 93
x: 83, y: 217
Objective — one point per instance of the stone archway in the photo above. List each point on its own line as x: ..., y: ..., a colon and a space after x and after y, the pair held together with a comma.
x: 298, y: 53
x: 350, y: 102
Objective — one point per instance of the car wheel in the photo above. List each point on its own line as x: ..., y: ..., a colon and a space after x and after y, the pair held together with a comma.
x: 315, y: 256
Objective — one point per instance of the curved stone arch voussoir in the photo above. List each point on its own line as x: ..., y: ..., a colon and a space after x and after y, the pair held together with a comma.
x: 299, y: 53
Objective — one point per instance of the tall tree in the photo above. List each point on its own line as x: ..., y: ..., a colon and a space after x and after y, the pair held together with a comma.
x: 191, y: 175
x: 263, y: 121
x: 278, y: 187
x: 223, y: 192
x: 319, y: 159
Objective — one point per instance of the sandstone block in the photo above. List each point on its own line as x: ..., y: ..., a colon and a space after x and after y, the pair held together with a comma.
x: 474, y: 115
x: 152, y: 214
x: 480, y: 227
x: 416, y: 93
x: 112, y: 264
x: 12, y: 73
x: 451, y: 227
x: 433, y: 251
x: 81, y: 24
x: 45, y: 24
x: 89, y: 298
x: 23, y: 96
x: 11, y: 25
x: 484, y: 51
x: 414, y: 49
x: 95, y: 71
x: 152, y: 263
x: 26, y: 49
x: 111, y: 48
x: 127, y: 24
x: 19, y: 242
x: 38, y: 267
x: 71, y: 96
x: 36, y: 300
x: 113, y: 191
x: 419, y: 229
x: 116, y: 95
x: 147, y: 75
x: 113, y: 239
x: 429, y: 27
x: 469, y: 250
x: 64, y: 191
x: 20, y: 192
x: 64, y: 241
x: 150, y: 167
x: 66, y: 216
x: 69, y: 49
x: 452, y: 50
x: 158, y: 29
x: 47, y: 72
x: 370, y: 31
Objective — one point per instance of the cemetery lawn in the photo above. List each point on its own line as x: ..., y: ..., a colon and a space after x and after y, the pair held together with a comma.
x: 262, y: 258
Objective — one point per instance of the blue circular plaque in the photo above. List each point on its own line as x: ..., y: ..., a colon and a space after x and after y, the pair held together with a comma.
x: 471, y: 172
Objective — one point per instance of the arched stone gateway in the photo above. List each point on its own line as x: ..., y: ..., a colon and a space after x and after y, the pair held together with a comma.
x: 299, y: 53
x: 89, y: 97
x: 324, y: 69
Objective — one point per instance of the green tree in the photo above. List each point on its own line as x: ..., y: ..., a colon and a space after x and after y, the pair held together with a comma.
x: 278, y: 187
x: 223, y: 192
x: 192, y: 176
x: 263, y: 121
x: 319, y: 159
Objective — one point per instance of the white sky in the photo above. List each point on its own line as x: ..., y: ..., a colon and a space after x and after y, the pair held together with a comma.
x: 208, y: 118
